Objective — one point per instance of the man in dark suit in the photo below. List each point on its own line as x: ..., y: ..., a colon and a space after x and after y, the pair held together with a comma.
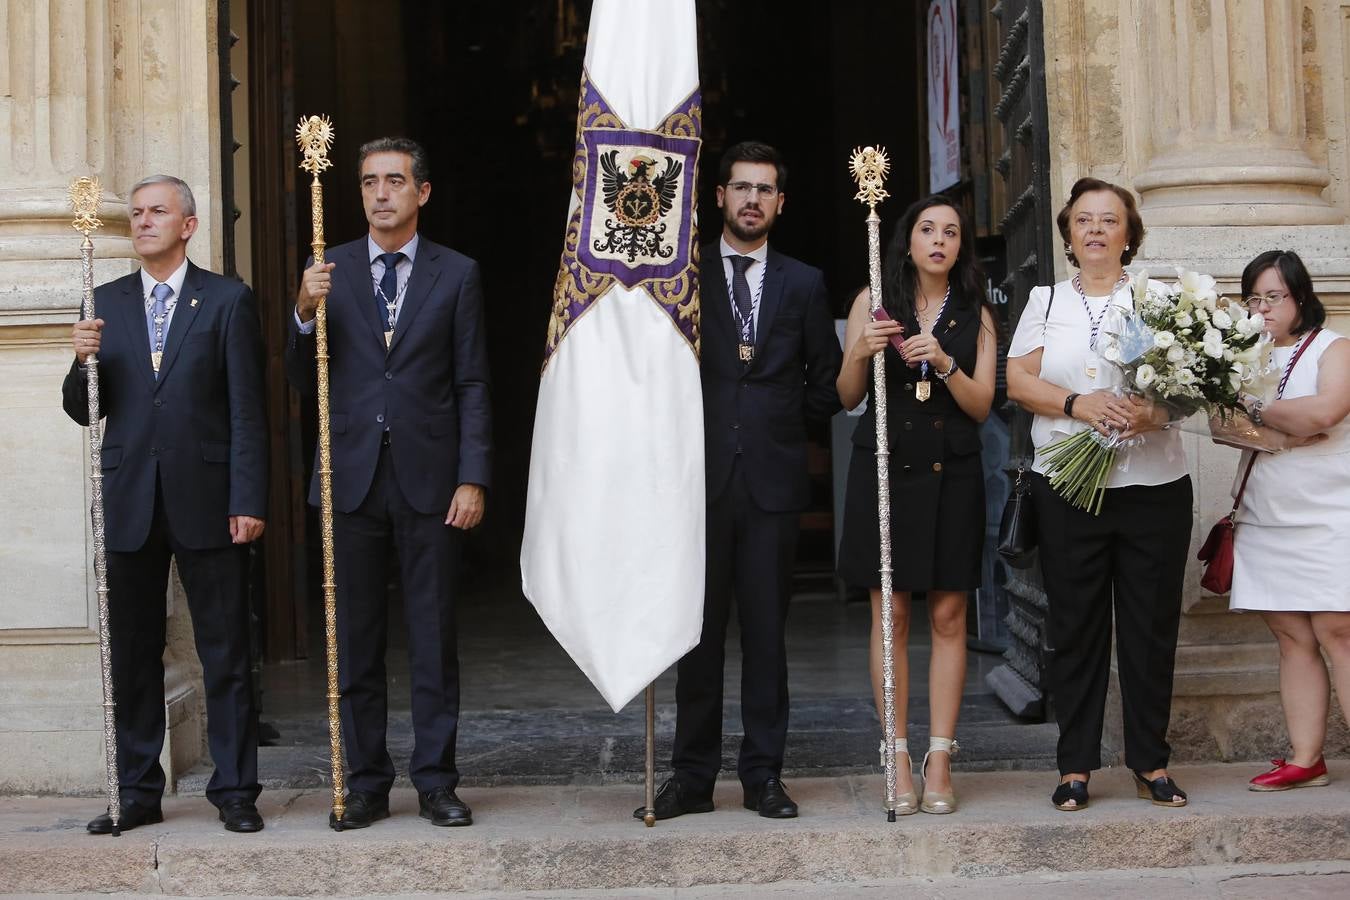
x: 769, y: 360
x: 180, y: 363
x: 411, y: 442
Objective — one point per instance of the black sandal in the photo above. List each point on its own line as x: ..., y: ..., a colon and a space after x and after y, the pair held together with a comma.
x: 1074, y: 792
x: 1161, y: 791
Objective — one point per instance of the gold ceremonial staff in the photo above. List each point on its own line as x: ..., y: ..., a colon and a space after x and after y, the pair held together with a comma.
x: 315, y: 136
x: 84, y: 197
x: 870, y: 166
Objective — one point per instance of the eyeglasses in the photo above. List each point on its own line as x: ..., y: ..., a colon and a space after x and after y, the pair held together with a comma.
x: 745, y: 189
x: 1273, y: 299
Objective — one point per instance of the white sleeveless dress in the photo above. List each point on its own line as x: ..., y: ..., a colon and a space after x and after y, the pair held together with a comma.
x: 1292, y: 541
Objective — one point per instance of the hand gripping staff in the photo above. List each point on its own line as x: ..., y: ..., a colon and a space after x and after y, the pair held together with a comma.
x: 315, y: 137
x: 870, y: 166
x: 84, y: 197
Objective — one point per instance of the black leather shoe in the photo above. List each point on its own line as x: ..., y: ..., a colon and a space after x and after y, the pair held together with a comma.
x: 240, y: 815
x: 442, y: 807
x: 133, y: 815
x: 362, y: 809
x: 771, y: 800
x: 674, y: 798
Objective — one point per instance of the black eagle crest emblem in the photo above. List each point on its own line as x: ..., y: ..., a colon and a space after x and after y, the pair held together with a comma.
x: 638, y: 200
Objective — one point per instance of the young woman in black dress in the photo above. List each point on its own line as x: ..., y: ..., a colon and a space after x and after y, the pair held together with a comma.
x: 940, y: 385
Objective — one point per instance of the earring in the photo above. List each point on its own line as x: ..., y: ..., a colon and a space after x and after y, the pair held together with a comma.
x: 1127, y: 248
x: 1067, y: 248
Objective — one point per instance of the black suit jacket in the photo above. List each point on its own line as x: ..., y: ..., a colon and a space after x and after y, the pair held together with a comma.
x: 201, y: 427
x: 430, y: 390
x: 762, y: 409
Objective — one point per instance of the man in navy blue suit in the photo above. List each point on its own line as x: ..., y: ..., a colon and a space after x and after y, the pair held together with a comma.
x: 769, y: 361
x: 411, y: 444
x: 180, y: 364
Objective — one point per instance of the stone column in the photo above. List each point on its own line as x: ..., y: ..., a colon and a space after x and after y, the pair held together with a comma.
x: 1218, y: 86
x: 114, y: 89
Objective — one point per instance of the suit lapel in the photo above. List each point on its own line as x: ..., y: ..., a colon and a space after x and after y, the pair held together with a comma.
x: 769, y: 300
x: 356, y: 269
x: 131, y: 314
x: 184, y: 314
x: 426, y: 271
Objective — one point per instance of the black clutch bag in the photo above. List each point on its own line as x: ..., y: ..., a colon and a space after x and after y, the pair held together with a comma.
x: 1017, y: 530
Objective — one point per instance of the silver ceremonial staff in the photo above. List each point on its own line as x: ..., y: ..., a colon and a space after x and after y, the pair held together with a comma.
x: 84, y: 197
x: 869, y: 166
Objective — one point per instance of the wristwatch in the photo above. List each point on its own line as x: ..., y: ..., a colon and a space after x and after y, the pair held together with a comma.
x: 943, y: 376
x: 1255, y: 413
x: 1068, y: 404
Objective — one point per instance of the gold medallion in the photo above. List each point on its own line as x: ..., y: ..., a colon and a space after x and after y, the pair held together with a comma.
x: 388, y: 338
x: 747, y: 352
x: 923, y: 390
x: 1091, y: 369
x: 156, y: 357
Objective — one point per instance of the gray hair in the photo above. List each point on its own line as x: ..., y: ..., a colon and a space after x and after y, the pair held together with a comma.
x: 185, y: 198
x: 421, y: 168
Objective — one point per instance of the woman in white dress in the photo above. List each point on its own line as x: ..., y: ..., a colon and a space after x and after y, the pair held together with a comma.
x: 1293, y: 533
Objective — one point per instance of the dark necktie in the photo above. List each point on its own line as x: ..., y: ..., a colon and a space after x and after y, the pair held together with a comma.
x: 388, y: 287
x: 740, y: 293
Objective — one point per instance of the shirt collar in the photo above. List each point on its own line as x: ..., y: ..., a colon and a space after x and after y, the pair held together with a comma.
x: 759, y: 254
x: 409, y: 249
x: 174, y: 281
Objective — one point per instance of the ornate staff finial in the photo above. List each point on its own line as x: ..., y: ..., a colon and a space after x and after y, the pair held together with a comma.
x: 315, y: 136
x: 870, y: 167
x: 84, y: 196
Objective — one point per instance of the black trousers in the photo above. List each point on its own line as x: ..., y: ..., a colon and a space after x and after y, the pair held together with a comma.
x: 1130, y: 558
x: 216, y: 584
x: 427, y: 550
x: 750, y: 557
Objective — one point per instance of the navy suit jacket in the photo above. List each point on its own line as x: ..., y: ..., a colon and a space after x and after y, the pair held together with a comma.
x: 430, y: 390
x: 761, y: 410
x: 201, y: 428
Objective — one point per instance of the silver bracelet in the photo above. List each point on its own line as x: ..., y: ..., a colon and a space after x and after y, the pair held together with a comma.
x: 1256, y: 413
x: 943, y: 376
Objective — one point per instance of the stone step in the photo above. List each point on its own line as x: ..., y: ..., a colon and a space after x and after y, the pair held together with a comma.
x: 560, y: 838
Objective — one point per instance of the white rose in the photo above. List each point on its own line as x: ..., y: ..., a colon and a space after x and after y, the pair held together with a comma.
x: 1245, y: 328
x: 1222, y: 319
x: 1144, y: 376
x: 1201, y: 314
x: 1185, y: 376
x: 1176, y: 353
x: 1184, y: 319
x: 1164, y: 339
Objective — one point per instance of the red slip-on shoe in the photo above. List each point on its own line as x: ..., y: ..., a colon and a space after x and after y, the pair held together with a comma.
x: 1286, y: 775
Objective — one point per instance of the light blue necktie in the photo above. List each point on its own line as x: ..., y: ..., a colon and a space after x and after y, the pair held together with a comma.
x: 158, y: 310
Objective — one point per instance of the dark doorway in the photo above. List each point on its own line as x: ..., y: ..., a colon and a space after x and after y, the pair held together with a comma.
x: 491, y: 92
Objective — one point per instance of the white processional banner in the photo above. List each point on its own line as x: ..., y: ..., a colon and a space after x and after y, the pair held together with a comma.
x: 613, y: 552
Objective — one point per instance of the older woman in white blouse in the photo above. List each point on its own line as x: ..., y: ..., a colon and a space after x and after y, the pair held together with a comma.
x: 1131, y: 558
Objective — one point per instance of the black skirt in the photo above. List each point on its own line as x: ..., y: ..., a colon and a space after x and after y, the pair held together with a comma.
x: 937, y: 506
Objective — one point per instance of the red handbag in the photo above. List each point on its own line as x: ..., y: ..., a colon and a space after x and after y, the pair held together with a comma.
x: 1217, y: 551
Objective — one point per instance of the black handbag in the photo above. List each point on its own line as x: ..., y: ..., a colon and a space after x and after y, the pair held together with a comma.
x: 1017, y: 529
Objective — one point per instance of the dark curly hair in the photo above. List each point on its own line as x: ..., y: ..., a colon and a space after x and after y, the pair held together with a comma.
x: 1134, y: 223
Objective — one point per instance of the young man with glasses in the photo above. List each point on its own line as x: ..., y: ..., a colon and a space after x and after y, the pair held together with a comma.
x: 769, y: 361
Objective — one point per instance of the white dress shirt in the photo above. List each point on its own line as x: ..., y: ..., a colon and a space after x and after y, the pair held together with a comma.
x: 175, y: 283
x: 1069, y: 362
x: 754, y: 277
x: 403, y: 272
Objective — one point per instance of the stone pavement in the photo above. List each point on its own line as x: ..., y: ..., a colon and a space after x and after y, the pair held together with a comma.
x: 582, y: 838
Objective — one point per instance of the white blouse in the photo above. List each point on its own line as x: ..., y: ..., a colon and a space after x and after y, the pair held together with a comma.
x: 1069, y: 362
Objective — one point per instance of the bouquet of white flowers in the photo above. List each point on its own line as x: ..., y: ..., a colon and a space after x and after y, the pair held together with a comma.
x: 1183, y: 347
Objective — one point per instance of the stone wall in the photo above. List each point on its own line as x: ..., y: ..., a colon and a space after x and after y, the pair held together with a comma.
x: 115, y: 89
x: 1228, y: 118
